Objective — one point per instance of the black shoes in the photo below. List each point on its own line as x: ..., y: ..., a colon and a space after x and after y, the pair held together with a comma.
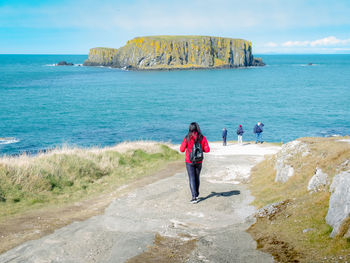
x: 194, y: 200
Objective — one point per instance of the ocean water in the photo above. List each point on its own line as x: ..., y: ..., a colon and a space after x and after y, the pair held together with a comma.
x: 44, y: 106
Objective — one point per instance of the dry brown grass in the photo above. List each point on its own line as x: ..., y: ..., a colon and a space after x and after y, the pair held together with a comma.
x: 307, y: 211
x: 69, y: 174
x: 26, y: 159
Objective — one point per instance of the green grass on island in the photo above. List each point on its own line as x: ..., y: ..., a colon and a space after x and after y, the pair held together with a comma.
x: 70, y: 174
x: 183, y: 37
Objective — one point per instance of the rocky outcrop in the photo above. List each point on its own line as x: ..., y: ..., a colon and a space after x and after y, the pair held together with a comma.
x: 282, y: 165
x: 338, y: 215
x: 257, y: 62
x: 64, y: 63
x: 271, y: 210
x: 318, y: 182
x: 100, y: 56
x: 176, y: 52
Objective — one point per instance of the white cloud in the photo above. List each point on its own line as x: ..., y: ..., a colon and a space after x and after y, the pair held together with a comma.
x: 295, y: 44
x: 330, y: 41
x: 271, y: 44
x: 323, y: 42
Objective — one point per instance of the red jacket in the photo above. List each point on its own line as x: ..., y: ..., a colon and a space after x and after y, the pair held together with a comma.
x: 188, y: 146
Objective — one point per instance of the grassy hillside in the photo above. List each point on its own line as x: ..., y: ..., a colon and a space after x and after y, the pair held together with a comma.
x: 69, y: 174
x: 298, y: 232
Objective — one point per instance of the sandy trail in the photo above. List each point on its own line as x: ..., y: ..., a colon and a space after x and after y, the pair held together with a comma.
x: 129, y: 225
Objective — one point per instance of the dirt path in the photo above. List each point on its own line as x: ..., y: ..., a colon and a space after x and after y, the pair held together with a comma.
x: 15, y: 230
x: 156, y: 222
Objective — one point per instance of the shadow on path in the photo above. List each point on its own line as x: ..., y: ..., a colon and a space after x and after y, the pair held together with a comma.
x: 236, y: 144
x: 225, y: 194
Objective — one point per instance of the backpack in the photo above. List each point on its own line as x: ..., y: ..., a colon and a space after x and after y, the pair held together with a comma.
x: 196, y: 154
x: 257, y: 129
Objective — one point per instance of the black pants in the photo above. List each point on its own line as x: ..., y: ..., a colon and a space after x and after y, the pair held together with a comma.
x: 194, y: 171
x: 224, y: 141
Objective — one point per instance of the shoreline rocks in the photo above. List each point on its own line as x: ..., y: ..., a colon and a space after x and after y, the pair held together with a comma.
x: 64, y: 63
x: 257, y: 62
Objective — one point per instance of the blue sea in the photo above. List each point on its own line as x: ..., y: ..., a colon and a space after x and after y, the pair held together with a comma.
x: 43, y: 106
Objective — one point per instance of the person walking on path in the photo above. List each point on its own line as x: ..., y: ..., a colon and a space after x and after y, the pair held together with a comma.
x: 224, y: 136
x: 258, y: 130
x: 240, y: 132
x: 190, y: 143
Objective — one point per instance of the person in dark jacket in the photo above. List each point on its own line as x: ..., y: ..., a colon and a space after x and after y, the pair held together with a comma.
x: 194, y: 169
x: 240, y: 132
x: 224, y: 136
x: 258, y: 130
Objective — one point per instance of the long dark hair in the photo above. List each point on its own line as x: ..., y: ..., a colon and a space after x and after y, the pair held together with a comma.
x: 194, y: 127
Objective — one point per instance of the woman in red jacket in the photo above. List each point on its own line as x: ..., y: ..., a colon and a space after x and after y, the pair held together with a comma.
x: 194, y: 169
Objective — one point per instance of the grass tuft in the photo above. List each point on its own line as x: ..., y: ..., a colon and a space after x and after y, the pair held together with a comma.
x: 69, y: 174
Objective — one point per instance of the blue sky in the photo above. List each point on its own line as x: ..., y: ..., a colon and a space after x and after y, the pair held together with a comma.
x: 74, y: 26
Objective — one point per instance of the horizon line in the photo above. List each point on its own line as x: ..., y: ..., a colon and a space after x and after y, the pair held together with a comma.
x: 86, y: 54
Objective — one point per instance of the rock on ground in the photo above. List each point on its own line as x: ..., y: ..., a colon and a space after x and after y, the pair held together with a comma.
x: 338, y: 215
x: 318, y: 182
x: 283, y: 168
x: 269, y: 211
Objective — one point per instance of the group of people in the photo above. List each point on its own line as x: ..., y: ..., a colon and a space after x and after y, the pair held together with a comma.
x: 258, y: 130
x: 195, y: 144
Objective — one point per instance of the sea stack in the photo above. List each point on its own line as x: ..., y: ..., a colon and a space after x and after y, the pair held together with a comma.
x: 176, y: 52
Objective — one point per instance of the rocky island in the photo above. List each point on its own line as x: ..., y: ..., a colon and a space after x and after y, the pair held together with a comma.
x: 176, y: 52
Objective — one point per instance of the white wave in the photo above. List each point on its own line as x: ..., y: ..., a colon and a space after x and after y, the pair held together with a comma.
x: 308, y: 65
x: 54, y: 65
x: 8, y: 140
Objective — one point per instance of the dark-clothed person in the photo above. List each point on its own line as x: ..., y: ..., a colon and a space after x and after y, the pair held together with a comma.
x: 240, y: 132
x: 258, y: 130
x: 224, y: 136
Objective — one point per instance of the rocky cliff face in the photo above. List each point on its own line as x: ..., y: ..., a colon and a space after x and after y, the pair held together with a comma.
x: 100, y: 56
x: 338, y: 215
x: 176, y: 52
